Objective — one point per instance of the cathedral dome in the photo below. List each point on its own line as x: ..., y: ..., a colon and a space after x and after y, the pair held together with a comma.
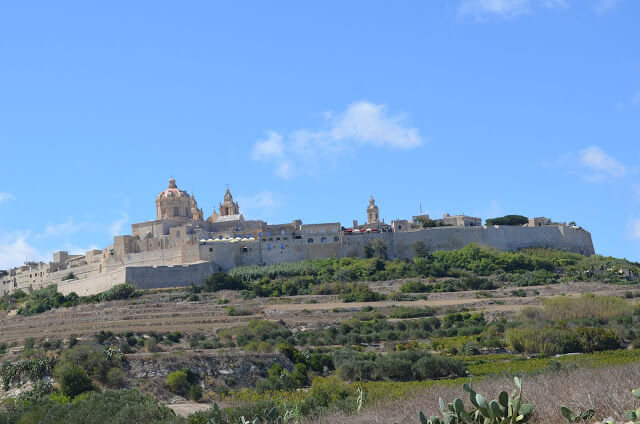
x: 172, y: 191
x: 174, y: 203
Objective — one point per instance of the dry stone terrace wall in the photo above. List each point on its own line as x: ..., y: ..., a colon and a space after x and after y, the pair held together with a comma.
x: 245, y: 369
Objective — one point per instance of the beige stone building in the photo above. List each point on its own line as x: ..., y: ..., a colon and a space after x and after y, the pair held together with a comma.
x: 179, y: 247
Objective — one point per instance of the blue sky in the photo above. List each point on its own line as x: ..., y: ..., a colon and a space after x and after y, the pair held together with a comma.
x: 483, y: 107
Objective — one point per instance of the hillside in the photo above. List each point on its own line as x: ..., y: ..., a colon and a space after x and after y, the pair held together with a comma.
x: 324, y: 339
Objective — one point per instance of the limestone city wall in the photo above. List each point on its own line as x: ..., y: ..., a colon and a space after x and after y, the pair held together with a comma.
x: 194, y: 263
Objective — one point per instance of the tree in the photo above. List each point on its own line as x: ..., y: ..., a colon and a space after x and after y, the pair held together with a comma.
x: 420, y: 249
x: 178, y: 382
x: 377, y: 248
x: 74, y: 380
x: 508, y: 220
x: 221, y: 281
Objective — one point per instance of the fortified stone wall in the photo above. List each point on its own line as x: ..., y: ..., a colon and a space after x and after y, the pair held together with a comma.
x: 95, y: 284
x: 507, y: 238
x: 147, y: 277
x: 194, y: 263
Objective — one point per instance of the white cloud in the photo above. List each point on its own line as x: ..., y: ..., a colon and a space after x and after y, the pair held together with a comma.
x: 602, y: 6
x: 361, y: 124
x: 66, y: 228
x: 502, y: 8
x: 270, y: 147
x: 634, y: 228
x: 5, y: 197
x: 116, y: 226
x: 506, y: 9
x: 259, y: 204
x: 15, y: 249
x: 600, y: 165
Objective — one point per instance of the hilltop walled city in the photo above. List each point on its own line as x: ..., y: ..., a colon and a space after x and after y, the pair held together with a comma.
x: 181, y: 247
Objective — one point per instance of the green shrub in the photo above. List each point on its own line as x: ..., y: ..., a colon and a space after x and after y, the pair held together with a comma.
x: 150, y: 345
x: 195, y: 393
x: 411, y: 312
x: 586, y: 306
x: 113, y: 407
x: 221, y: 281
x: 178, y: 383
x: 358, y: 292
x: 74, y: 380
x: 115, y: 378
x: 67, y: 277
x: 396, y: 366
x: 92, y: 360
x: 120, y: 291
x: 236, y: 312
x: 413, y: 287
x: 329, y: 390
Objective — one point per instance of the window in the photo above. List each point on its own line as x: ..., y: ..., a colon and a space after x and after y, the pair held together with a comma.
x: 259, y: 234
x: 322, y: 231
x: 282, y: 232
x: 336, y: 238
x: 249, y: 235
x: 282, y: 246
x: 177, y: 233
x: 175, y: 211
x: 211, y: 249
x: 323, y: 239
x: 269, y: 246
x: 277, y: 238
x: 268, y: 233
x: 310, y: 240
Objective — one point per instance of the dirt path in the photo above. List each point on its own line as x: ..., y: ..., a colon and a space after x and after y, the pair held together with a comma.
x: 186, y: 409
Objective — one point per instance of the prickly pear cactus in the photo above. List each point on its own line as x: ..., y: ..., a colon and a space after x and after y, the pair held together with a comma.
x: 507, y: 409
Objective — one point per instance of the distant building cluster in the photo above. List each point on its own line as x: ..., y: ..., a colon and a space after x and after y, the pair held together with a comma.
x: 180, y: 246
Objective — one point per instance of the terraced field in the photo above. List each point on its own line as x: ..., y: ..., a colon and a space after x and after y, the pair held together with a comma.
x: 166, y: 311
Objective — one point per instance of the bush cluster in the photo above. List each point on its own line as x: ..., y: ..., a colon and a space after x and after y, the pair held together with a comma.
x: 395, y: 366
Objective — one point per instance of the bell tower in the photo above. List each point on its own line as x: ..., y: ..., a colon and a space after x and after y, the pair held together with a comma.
x: 229, y: 207
x: 373, y: 215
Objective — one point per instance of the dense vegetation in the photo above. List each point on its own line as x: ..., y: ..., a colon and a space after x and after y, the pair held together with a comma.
x: 521, y: 268
x: 42, y: 300
x: 365, y: 355
x: 112, y: 406
x: 508, y: 220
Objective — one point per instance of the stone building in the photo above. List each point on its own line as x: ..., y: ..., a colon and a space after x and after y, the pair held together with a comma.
x: 174, y: 203
x: 461, y: 220
x: 179, y: 247
x: 373, y: 215
x: 229, y: 210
